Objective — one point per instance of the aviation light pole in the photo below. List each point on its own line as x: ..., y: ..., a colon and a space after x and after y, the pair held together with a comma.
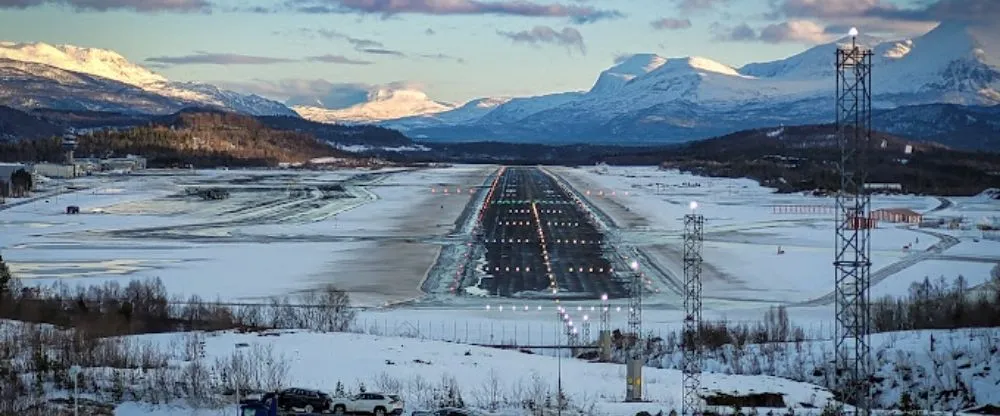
x: 852, y: 262
x: 691, y: 341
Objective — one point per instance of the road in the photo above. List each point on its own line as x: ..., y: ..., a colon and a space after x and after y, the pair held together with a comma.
x: 537, y: 238
x: 933, y: 252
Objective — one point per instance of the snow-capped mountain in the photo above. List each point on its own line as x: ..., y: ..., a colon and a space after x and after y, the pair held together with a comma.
x: 29, y: 85
x: 652, y: 98
x: 110, y: 74
x: 468, y: 112
x: 383, y: 103
x: 612, y: 79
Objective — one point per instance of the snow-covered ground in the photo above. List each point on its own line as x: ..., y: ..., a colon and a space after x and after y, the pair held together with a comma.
x: 414, y: 368
x: 376, y: 238
x: 380, y: 236
x: 377, y: 234
x: 744, y: 231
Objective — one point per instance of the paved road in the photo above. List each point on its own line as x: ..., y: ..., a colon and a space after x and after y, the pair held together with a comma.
x: 536, y: 238
x: 933, y: 252
x: 944, y: 203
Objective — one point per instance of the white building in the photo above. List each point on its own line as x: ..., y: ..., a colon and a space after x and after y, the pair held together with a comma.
x: 52, y: 170
x: 6, y: 169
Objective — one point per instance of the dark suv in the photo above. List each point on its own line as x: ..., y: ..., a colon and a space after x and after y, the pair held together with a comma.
x: 308, y: 400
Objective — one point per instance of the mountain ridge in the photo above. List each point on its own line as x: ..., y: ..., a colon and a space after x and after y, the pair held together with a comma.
x: 649, y: 98
x: 112, y: 72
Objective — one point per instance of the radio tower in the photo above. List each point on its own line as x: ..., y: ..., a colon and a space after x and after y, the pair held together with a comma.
x: 633, y: 367
x: 853, y: 221
x: 693, y: 238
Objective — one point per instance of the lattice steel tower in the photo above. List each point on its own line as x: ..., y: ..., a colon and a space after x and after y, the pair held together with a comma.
x: 853, y: 222
x: 691, y: 342
x: 633, y: 367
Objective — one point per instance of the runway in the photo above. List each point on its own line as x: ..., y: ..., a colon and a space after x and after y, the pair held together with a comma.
x: 540, y: 244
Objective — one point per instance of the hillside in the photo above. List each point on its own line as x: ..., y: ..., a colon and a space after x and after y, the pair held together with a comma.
x: 68, y: 77
x: 16, y: 124
x: 650, y: 99
x: 196, y: 137
x: 801, y: 158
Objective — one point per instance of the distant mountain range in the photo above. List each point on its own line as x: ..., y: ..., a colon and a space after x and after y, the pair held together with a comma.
x: 65, y: 77
x: 647, y: 98
x: 943, y: 86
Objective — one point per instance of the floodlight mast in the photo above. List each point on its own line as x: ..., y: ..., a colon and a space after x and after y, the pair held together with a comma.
x: 633, y: 367
x: 852, y: 224
x: 691, y: 340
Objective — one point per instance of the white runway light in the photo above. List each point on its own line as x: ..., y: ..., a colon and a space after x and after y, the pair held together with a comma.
x: 853, y: 32
x: 693, y: 205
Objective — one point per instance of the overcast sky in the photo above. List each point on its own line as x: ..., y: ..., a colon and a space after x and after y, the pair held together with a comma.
x: 454, y: 49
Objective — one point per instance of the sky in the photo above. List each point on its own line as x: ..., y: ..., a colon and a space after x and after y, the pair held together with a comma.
x: 299, y: 51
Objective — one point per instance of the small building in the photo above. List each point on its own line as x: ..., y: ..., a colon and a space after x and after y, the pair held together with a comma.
x: 52, y: 170
x: 129, y: 163
x: 898, y: 215
x: 895, y: 187
x: 6, y: 169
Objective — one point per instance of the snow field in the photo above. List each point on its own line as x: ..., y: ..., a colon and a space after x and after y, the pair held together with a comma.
x: 743, y: 233
x: 414, y: 368
x: 378, y: 245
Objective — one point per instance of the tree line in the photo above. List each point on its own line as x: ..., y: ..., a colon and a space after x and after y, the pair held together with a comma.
x: 201, y: 139
x: 19, y: 184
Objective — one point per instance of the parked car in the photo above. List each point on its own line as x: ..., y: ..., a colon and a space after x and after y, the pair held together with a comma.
x: 305, y: 399
x: 379, y: 404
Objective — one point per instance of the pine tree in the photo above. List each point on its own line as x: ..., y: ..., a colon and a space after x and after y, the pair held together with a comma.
x: 339, y: 390
x: 117, y: 387
x: 5, y: 278
x: 907, y: 406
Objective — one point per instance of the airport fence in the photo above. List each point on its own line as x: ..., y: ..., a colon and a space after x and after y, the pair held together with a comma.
x: 527, y: 333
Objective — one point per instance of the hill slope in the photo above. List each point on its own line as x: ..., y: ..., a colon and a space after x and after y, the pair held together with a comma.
x: 39, y: 75
x: 801, y: 158
x: 652, y: 99
x: 201, y: 138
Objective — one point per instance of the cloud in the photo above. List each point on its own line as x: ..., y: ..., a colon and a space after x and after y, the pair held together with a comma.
x: 441, y: 57
x: 568, y: 37
x: 386, y: 8
x: 336, y: 59
x: 875, y: 26
x: 792, y: 31
x: 362, y: 45
x: 312, y: 92
x: 970, y: 11
x: 357, y: 43
x: 143, y: 6
x: 205, y: 58
x: 739, y: 33
x: 370, y: 46
x: 668, y: 23
x: 829, y: 8
x: 796, y: 31
x: 217, y: 59
x: 381, y: 51
x: 694, y: 5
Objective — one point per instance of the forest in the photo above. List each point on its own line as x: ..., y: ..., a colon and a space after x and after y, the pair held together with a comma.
x: 806, y: 158
x: 201, y: 139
